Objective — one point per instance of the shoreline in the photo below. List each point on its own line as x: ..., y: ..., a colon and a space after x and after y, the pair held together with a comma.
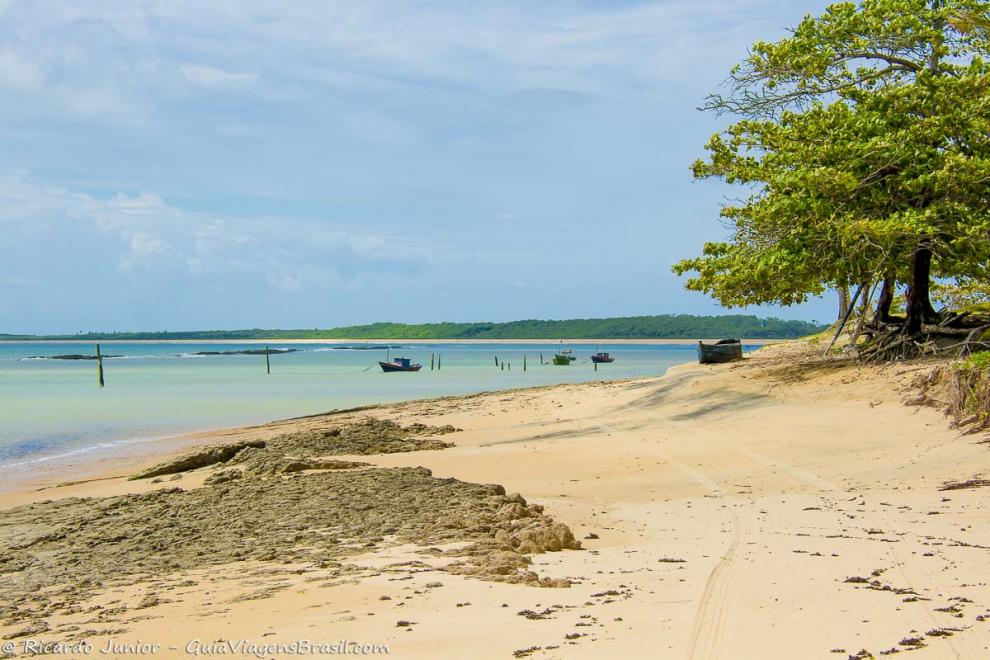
x: 780, y: 507
x: 86, y: 457
x: 540, y: 342
x: 99, y: 462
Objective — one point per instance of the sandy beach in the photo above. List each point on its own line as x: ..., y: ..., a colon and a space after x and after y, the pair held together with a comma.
x: 780, y: 507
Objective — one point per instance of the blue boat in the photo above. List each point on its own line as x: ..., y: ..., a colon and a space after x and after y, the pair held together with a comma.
x: 399, y: 364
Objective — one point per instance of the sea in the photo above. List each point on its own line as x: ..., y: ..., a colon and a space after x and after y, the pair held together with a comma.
x: 53, y: 409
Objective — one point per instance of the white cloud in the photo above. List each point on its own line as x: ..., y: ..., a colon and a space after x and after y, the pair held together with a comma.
x: 505, y: 45
x: 384, y: 140
x: 143, y: 249
x: 140, y: 204
x: 146, y: 62
x: 212, y: 77
x: 150, y: 233
x: 18, y: 73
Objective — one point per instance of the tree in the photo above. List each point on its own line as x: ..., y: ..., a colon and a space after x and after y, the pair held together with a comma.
x: 964, y: 292
x: 864, y: 140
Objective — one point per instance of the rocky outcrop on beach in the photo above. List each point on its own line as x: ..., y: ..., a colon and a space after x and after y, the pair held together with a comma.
x: 519, y: 529
x: 364, y: 437
x: 56, y: 554
x: 300, y: 450
x: 198, y: 459
x: 280, y: 501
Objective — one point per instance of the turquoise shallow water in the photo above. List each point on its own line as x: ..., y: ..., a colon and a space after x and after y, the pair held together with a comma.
x: 54, y: 408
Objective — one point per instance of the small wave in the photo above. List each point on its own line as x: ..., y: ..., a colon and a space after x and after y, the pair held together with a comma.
x: 67, y: 454
x: 38, y: 458
x: 49, y: 358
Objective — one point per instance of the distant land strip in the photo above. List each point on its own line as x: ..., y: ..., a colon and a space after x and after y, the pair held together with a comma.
x: 665, y: 326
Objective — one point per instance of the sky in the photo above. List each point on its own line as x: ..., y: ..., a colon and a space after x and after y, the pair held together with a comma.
x: 178, y: 164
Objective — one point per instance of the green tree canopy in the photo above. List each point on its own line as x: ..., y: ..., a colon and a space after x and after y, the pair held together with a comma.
x: 864, y: 143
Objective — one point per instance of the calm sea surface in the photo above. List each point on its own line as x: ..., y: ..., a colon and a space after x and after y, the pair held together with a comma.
x: 53, y: 409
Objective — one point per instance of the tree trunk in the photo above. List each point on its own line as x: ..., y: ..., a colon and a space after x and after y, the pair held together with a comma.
x: 864, y: 310
x: 864, y: 304
x: 843, y: 302
x: 886, y: 299
x: 919, y: 305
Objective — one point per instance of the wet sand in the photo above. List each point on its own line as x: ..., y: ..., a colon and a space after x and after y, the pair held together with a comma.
x: 776, y: 508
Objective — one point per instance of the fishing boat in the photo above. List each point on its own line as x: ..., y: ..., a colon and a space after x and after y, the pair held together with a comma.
x: 399, y: 364
x: 726, y: 350
x: 602, y: 358
x: 564, y: 357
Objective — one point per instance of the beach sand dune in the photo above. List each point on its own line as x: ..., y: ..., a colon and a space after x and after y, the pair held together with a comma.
x: 777, y: 508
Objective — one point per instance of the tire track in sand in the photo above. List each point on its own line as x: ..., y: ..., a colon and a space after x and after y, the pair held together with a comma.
x: 715, y: 609
x: 800, y: 474
x: 713, y: 613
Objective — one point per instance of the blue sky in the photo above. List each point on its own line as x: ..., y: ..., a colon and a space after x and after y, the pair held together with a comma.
x: 185, y: 165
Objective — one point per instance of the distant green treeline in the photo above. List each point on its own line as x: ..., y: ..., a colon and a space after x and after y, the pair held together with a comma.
x: 666, y: 326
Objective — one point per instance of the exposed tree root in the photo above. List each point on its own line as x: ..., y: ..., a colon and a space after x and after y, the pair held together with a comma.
x: 951, y: 334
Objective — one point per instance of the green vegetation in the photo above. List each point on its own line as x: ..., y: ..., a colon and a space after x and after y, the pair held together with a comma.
x: 965, y: 294
x: 864, y: 141
x: 681, y: 326
x: 978, y: 362
x: 970, y: 395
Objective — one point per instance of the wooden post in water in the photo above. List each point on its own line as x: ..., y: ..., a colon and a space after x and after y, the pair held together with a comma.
x: 503, y: 366
x: 524, y: 362
x: 496, y: 361
x: 596, y: 366
x: 438, y: 362
x: 432, y: 358
x: 268, y: 364
x: 99, y: 365
x: 541, y: 358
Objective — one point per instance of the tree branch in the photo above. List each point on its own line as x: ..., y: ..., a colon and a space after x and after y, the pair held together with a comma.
x: 889, y: 59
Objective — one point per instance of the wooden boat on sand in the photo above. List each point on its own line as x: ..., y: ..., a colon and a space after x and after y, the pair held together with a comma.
x: 726, y: 350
